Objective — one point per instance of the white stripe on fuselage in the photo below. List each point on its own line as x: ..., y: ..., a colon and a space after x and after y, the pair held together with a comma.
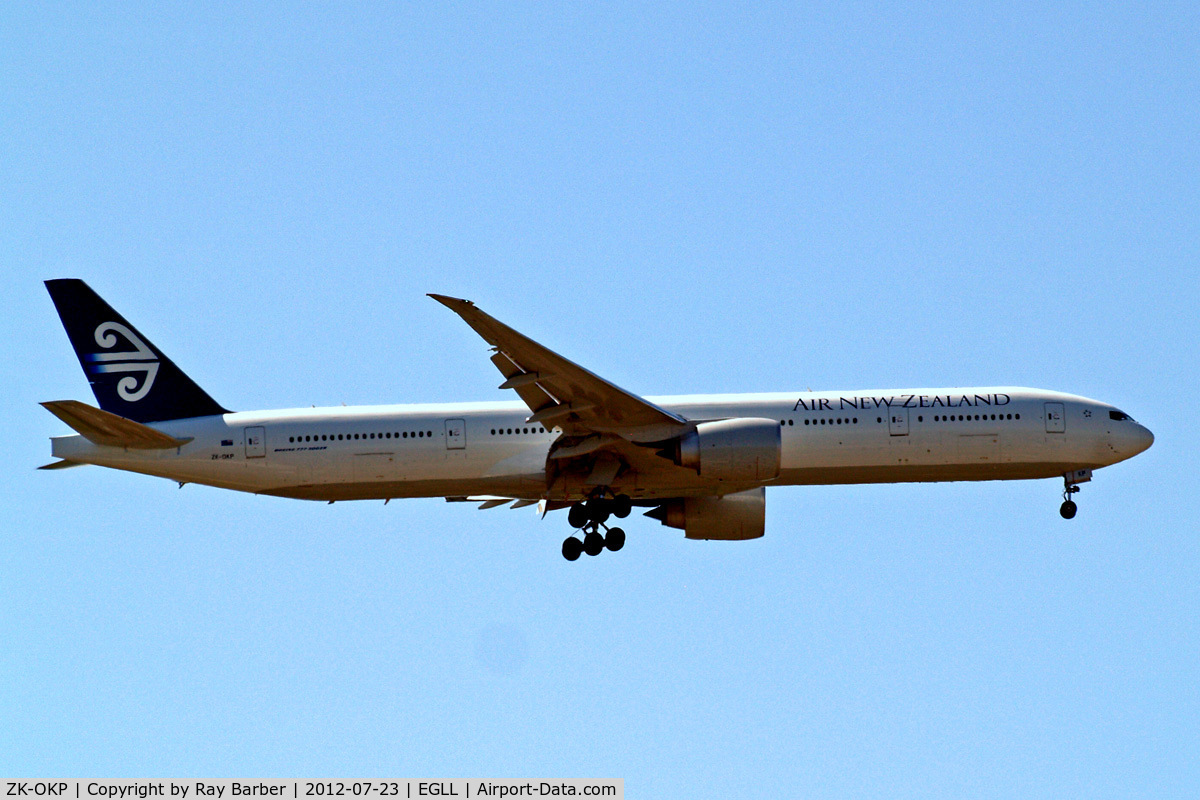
x: 828, y: 437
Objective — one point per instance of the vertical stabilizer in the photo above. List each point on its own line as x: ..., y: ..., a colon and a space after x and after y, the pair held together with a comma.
x: 129, y: 375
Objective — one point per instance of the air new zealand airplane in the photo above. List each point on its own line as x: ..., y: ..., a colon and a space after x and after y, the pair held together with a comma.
x: 699, y: 463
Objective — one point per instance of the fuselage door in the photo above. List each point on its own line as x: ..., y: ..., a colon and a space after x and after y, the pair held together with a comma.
x: 256, y: 443
x: 1056, y: 419
x: 898, y: 421
x: 456, y: 434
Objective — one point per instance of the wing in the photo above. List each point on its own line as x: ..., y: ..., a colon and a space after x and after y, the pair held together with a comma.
x: 561, y: 393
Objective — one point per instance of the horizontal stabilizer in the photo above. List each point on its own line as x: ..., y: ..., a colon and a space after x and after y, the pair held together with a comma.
x: 103, y: 428
x: 64, y: 464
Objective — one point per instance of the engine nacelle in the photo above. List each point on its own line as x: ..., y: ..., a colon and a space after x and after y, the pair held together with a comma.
x: 735, y: 450
x: 736, y: 516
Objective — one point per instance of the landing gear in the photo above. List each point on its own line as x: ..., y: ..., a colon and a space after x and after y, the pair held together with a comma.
x: 589, y: 518
x: 598, y: 510
x: 593, y: 543
x: 615, y: 539
x: 621, y: 506
x: 578, y: 516
x: 1071, y: 481
x: 572, y: 548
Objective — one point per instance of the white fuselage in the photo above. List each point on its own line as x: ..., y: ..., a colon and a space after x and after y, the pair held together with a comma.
x: 490, y: 449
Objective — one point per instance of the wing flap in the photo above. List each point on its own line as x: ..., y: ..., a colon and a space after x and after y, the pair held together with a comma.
x: 523, y: 383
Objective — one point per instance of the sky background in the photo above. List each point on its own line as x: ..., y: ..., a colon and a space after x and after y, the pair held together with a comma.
x: 684, y: 199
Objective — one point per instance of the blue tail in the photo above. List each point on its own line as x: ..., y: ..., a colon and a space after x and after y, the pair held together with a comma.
x: 129, y: 375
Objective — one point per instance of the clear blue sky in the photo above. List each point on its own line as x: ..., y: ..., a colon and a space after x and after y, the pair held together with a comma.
x: 683, y: 199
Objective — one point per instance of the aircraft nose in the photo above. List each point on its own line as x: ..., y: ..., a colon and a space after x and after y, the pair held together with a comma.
x: 1142, y: 439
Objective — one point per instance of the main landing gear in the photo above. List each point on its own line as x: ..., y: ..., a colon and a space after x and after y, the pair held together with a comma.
x: 588, y: 518
x: 1071, y: 481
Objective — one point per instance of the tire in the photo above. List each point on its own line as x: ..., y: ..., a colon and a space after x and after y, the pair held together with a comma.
x: 577, y: 516
x: 598, y: 511
x: 571, y: 548
x: 621, y: 506
x: 1068, y: 509
x: 615, y: 539
x: 593, y: 544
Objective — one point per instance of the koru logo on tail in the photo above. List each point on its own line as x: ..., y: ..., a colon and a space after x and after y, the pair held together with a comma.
x: 140, y: 359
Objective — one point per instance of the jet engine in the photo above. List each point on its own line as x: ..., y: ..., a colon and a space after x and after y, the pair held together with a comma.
x: 736, y: 516
x: 737, y: 450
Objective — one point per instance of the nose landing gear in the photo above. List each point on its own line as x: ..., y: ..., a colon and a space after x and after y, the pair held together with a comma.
x: 1068, y: 508
x: 1071, y: 481
x: 589, y: 518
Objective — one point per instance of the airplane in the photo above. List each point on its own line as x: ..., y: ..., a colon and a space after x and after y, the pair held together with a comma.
x: 573, y: 440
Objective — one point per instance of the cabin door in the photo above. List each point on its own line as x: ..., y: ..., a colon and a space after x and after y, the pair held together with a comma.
x: 1056, y: 420
x: 456, y: 434
x: 898, y: 421
x: 256, y: 443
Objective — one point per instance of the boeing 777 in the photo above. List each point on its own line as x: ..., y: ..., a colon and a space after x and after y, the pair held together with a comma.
x: 573, y: 440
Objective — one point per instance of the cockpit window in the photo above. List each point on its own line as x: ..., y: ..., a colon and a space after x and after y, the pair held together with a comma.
x: 1119, y: 416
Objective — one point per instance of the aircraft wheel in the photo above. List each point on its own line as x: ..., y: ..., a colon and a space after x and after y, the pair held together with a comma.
x: 1068, y: 509
x: 577, y: 516
x: 572, y: 547
x: 615, y: 539
x: 593, y: 544
x: 598, y: 511
x: 622, y: 505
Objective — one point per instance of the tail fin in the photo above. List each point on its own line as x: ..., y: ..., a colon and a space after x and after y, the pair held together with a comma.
x: 129, y: 375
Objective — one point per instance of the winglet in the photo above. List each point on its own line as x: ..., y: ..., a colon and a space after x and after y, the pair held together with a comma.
x: 454, y: 303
